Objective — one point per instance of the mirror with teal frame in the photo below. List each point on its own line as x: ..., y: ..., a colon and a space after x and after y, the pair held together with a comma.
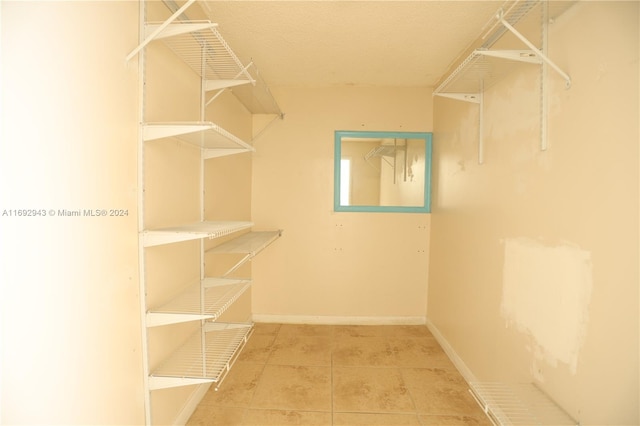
x: 382, y: 171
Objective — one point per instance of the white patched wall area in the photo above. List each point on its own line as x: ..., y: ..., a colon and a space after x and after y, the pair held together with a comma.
x: 546, y: 294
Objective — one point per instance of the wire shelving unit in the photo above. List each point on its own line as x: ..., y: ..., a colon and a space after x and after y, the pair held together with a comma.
x: 484, y: 66
x: 518, y: 404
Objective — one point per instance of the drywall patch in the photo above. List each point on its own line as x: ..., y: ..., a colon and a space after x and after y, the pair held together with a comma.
x: 546, y: 293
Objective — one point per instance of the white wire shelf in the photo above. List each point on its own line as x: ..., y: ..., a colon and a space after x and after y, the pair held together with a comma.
x: 213, y: 138
x: 518, y: 404
x: 193, y: 231
x: 206, y: 357
x: 249, y: 244
x: 481, y: 70
x: 201, y: 46
x: 205, y: 300
x: 483, y: 67
x: 257, y: 97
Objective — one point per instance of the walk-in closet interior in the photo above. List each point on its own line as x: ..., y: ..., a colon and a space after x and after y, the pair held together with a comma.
x: 188, y: 184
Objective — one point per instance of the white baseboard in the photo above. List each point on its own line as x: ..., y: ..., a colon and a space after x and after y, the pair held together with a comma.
x: 338, y: 320
x: 453, y: 356
x: 192, y: 403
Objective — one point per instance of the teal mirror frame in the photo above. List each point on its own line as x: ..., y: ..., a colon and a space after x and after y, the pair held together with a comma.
x: 339, y: 134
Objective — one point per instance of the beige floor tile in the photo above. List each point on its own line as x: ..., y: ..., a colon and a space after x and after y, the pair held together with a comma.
x: 286, y: 418
x: 238, y: 388
x: 257, y: 349
x: 440, y: 391
x: 301, y: 350
x: 374, y: 419
x: 305, y: 330
x: 362, y: 330
x: 419, y: 352
x: 363, y: 351
x: 410, y: 331
x: 214, y: 416
x: 268, y: 329
x: 291, y: 374
x: 286, y: 387
x: 428, y: 420
x: 368, y: 389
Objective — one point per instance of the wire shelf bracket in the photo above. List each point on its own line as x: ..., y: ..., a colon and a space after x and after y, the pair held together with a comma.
x: 157, y: 30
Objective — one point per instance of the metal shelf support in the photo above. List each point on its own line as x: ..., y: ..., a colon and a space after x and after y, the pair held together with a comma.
x: 539, y: 53
x: 159, y: 29
x: 477, y: 71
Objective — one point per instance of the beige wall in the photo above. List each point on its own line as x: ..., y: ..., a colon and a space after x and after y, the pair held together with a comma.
x: 534, y: 255
x: 341, y: 267
x: 69, y: 285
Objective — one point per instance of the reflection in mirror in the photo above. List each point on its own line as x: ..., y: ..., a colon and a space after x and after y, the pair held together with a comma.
x: 382, y: 171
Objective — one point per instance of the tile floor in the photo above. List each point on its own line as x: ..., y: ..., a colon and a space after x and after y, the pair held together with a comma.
x: 340, y: 375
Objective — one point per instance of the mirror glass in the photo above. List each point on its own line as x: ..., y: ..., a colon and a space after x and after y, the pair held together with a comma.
x: 382, y: 171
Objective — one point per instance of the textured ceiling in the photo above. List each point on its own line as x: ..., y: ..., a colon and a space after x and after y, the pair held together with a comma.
x: 329, y: 43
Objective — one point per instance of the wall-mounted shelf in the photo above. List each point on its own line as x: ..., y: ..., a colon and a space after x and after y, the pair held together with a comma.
x: 518, y: 404
x: 192, y: 231
x: 481, y: 70
x: 484, y: 66
x: 201, y: 46
x: 205, y: 300
x: 206, y: 357
x: 214, y: 139
x: 249, y: 244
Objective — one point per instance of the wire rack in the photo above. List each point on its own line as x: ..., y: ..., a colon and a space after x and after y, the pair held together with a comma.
x: 249, y: 244
x: 513, y: 12
x: 204, y: 50
x: 211, y: 297
x: 210, y: 57
x: 519, y: 404
x: 192, y: 231
x: 203, y: 134
x: 478, y: 71
x: 257, y: 97
x: 205, y: 356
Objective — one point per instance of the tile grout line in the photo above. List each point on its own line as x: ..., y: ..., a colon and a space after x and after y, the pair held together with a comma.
x: 253, y: 396
x: 398, y: 364
x: 333, y: 347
